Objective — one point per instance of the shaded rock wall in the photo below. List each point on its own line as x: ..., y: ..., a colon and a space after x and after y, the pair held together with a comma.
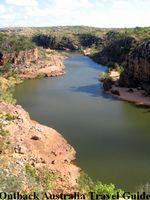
x: 115, y: 51
x: 137, y: 70
x: 62, y: 42
x: 54, y: 42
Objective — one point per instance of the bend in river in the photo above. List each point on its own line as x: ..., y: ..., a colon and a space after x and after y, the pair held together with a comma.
x: 111, y: 137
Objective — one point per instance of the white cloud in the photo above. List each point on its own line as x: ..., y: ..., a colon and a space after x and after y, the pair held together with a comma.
x: 100, y: 13
x: 7, y: 16
x: 22, y: 2
x: 37, y: 12
x: 2, y: 8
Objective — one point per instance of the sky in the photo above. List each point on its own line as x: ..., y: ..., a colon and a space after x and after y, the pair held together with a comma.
x: 96, y: 13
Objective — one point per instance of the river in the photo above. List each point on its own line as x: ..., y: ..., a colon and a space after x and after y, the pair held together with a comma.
x: 111, y: 137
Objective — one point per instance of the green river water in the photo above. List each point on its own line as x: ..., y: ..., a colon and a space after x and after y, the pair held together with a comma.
x: 111, y: 137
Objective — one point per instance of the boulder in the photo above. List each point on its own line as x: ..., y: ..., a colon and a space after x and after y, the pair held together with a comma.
x: 107, y: 84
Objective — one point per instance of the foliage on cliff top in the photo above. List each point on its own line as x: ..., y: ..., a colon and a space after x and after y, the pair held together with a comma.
x: 12, y: 42
x: 140, y: 32
x: 16, y: 39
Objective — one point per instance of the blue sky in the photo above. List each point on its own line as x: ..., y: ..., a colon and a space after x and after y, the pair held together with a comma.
x: 98, y: 13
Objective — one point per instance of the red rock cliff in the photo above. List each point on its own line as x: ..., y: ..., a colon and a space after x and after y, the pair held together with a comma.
x: 137, y: 70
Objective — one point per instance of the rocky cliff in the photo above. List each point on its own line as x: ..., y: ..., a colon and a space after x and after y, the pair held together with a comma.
x: 32, y: 63
x: 137, y: 69
x: 21, y: 57
x: 67, y: 42
x: 54, y: 42
x: 35, y: 156
x: 115, y: 52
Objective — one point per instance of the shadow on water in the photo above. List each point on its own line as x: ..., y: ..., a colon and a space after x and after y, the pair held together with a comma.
x: 94, y: 90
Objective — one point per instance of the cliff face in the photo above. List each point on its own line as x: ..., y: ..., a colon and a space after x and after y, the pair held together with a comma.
x: 58, y: 43
x: 30, y: 63
x: 32, y: 147
x: 21, y: 57
x: 73, y: 42
x: 116, y: 51
x: 137, y: 70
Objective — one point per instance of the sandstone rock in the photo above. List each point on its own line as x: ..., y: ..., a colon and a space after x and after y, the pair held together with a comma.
x: 28, y: 64
x: 116, y: 51
x: 22, y: 57
x: 20, y: 149
x: 87, y: 51
x: 137, y: 70
x: 42, y: 153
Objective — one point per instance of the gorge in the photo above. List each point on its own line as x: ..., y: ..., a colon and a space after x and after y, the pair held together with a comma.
x: 111, y: 137
x: 75, y: 105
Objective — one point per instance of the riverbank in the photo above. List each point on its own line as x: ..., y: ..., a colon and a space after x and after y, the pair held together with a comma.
x: 25, y: 142
x: 38, y: 146
x: 134, y: 95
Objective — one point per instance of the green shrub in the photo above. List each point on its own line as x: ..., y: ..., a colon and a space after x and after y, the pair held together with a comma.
x: 105, y: 189
x: 7, y: 97
x: 3, y: 132
x: 87, y: 185
x: 13, y: 42
x: 104, y: 75
x: 40, y: 178
x: 9, y: 182
x: 7, y: 117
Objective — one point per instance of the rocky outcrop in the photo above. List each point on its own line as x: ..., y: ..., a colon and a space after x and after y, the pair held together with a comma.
x: 63, y: 42
x: 50, y: 66
x: 21, y: 57
x: 30, y: 64
x: 32, y: 144
x: 116, y: 51
x: 87, y: 40
x: 87, y: 51
x: 137, y: 70
x: 57, y: 43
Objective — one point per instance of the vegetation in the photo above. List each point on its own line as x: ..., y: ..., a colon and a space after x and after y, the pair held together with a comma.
x: 73, y: 38
x: 4, y: 119
x: 3, y: 132
x: 39, y: 179
x: 61, y: 38
x: 9, y: 182
x: 15, y: 43
x: 87, y: 185
x: 7, y: 87
x: 7, y: 97
x: 115, y: 66
x: 7, y: 117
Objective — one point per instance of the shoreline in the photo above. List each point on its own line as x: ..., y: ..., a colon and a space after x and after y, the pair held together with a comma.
x: 136, y: 97
x: 35, y: 144
x: 131, y: 95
